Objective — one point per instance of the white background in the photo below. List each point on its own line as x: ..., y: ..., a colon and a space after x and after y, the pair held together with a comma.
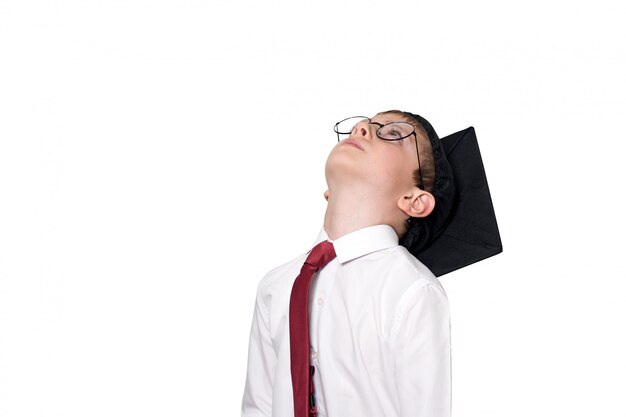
x: 157, y: 158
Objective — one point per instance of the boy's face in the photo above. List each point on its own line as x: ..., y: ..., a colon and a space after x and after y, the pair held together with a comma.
x: 366, y: 160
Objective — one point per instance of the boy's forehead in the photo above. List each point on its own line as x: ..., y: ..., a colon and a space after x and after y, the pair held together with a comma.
x: 387, y: 118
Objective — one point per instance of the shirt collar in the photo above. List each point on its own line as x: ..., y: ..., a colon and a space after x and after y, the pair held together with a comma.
x: 361, y: 242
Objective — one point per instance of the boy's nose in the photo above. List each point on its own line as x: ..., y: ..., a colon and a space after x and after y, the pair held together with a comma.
x: 362, y: 130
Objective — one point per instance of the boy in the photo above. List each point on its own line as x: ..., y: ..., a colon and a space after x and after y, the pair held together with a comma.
x: 378, y: 319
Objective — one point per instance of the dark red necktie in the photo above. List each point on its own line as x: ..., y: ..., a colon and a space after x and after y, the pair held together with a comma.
x: 301, y: 369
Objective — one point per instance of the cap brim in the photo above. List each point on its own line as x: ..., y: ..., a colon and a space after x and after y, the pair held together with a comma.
x: 472, y: 232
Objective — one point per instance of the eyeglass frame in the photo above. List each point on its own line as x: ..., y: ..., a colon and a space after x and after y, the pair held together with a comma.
x: 419, y: 168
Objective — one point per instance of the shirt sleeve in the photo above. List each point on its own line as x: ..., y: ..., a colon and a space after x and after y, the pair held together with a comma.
x: 422, y: 352
x: 258, y: 391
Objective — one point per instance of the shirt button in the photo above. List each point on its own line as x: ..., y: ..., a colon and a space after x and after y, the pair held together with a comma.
x: 314, y: 355
x: 320, y: 301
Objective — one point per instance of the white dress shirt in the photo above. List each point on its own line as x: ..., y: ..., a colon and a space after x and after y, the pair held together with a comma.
x: 379, y: 331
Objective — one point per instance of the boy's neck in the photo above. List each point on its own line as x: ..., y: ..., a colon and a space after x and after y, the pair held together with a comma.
x: 346, y: 214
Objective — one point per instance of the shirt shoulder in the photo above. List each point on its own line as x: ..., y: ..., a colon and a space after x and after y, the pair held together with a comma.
x: 417, y: 287
x: 406, y: 270
x: 280, y: 277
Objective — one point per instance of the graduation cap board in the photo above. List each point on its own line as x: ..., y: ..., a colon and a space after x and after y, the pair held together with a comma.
x: 462, y: 228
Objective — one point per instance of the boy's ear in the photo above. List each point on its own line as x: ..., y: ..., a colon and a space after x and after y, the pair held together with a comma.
x: 418, y: 203
x: 326, y: 195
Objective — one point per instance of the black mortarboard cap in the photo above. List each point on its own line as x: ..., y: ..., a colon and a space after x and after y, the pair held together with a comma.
x: 462, y: 228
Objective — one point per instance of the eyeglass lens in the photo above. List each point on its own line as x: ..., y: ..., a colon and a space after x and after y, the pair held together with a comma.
x: 390, y: 131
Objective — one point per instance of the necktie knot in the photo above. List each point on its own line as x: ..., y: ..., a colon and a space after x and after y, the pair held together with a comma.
x: 321, y: 254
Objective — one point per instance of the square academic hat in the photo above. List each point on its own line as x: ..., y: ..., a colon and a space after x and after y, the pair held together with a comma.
x: 462, y: 228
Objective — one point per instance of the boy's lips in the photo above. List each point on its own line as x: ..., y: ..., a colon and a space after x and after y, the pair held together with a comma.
x: 353, y: 143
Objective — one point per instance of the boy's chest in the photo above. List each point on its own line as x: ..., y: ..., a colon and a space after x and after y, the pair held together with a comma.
x: 352, y: 307
x: 348, y: 312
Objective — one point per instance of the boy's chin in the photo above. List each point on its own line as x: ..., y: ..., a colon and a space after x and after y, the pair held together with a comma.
x: 344, y: 175
x: 343, y: 164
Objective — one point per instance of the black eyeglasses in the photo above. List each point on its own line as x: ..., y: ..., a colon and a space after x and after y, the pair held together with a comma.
x: 390, y: 131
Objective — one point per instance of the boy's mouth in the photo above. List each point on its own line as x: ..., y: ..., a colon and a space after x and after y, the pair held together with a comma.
x: 353, y: 143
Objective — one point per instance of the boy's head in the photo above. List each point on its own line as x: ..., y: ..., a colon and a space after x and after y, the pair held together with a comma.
x: 384, y: 174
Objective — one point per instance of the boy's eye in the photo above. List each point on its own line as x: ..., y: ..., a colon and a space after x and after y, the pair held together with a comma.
x: 392, y: 133
x: 396, y: 133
